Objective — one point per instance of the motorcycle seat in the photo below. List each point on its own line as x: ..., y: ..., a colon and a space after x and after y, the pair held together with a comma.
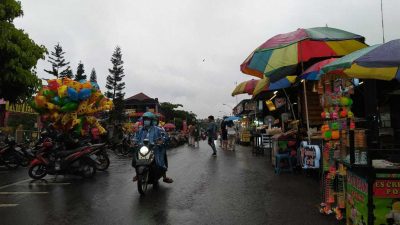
x: 69, y: 152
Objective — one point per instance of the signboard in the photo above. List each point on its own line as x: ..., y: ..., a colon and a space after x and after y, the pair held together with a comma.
x: 21, y: 108
x: 279, y: 102
x: 386, y: 201
x: 387, y: 188
x: 356, y: 199
x: 310, y: 156
x: 245, y: 136
x: 270, y: 105
x: 250, y: 106
x: 238, y: 109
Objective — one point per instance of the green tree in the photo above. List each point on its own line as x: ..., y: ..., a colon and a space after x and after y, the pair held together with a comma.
x: 18, y: 56
x: 174, y: 115
x: 80, y: 72
x: 168, y: 110
x: 93, y: 76
x: 59, y: 67
x: 69, y: 74
x: 115, y: 87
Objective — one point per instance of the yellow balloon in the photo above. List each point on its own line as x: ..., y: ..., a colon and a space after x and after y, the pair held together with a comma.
x: 76, y: 85
x: 51, y: 106
x: 82, y: 109
x: 91, y: 119
x: 55, y: 116
x: 66, y: 81
x: 75, y: 122
x: 62, y: 91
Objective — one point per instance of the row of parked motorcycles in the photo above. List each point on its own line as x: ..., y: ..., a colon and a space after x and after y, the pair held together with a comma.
x: 54, y: 154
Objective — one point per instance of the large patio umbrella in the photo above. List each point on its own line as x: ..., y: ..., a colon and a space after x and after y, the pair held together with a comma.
x: 291, y: 53
x: 246, y: 87
x: 266, y: 85
x: 314, y: 72
x: 381, y: 62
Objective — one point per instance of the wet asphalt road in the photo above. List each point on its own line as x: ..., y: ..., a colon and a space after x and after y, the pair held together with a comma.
x: 233, y: 188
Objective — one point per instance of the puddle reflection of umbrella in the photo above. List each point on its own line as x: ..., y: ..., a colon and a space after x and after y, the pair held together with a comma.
x: 380, y: 62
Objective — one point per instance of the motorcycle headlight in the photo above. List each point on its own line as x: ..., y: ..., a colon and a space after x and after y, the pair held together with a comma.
x: 144, y: 151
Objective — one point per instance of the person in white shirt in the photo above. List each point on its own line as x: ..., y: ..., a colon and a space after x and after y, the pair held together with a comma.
x: 231, y: 135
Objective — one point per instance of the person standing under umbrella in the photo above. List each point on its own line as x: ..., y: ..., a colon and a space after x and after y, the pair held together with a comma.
x: 211, y: 133
x: 231, y: 135
x: 224, y: 134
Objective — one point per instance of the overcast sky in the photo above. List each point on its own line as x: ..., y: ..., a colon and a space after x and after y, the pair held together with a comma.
x: 164, y: 42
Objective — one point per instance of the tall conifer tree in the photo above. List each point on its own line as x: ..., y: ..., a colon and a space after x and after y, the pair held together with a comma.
x: 60, y: 68
x: 115, y: 86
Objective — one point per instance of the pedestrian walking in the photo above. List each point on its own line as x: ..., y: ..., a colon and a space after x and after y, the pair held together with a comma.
x: 231, y: 135
x: 192, y: 134
x: 211, y: 133
x: 197, y: 135
x: 224, y: 134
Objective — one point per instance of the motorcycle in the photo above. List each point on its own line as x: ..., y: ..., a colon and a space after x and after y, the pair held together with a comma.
x: 146, y: 169
x: 100, y: 155
x: 54, y: 160
x: 122, y: 148
x: 9, y: 154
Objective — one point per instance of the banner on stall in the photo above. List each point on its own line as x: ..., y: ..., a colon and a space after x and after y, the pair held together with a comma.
x: 356, y: 199
x: 387, y: 188
x: 310, y: 156
x: 20, y: 108
x: 387, y: 199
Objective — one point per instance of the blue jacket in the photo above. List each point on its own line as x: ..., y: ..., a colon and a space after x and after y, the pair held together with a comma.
x: 152, y: 133
x: 212, y: 130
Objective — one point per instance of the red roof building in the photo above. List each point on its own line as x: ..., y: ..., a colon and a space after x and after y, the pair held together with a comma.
x: 140, y: 103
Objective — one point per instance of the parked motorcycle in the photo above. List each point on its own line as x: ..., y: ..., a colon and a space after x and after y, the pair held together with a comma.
x: 146, y: 169
x: 7, y: 157
x: 10, y: 155
x: 100, y: 155
x: 54, y: 160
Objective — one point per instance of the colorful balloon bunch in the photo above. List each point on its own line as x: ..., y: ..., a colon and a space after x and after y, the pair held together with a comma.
x: 71, y: 105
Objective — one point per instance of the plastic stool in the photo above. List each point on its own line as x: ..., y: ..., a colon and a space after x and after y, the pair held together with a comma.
x: 280, y: 158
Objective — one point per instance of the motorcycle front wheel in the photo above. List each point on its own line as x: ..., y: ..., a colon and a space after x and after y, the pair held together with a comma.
x: 104, y: 162
x: 37, y: 172
x: 142, y: 183
x: 88, y: 169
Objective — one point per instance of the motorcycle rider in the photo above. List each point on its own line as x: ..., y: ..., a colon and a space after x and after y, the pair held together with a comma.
x: 153, y: 134
x: 163, y: 148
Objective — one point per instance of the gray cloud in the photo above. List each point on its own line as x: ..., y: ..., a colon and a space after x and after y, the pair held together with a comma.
x: 164, y: 42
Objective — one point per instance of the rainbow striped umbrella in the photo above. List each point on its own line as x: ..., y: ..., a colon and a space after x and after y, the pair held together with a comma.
x: 266, y: 85
x: 381, y: 62
x: 314, y: 72
x: 291, y: 53
x: 246, y: 87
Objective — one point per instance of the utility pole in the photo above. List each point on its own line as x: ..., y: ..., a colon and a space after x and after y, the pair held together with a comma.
x: 383, y: 27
